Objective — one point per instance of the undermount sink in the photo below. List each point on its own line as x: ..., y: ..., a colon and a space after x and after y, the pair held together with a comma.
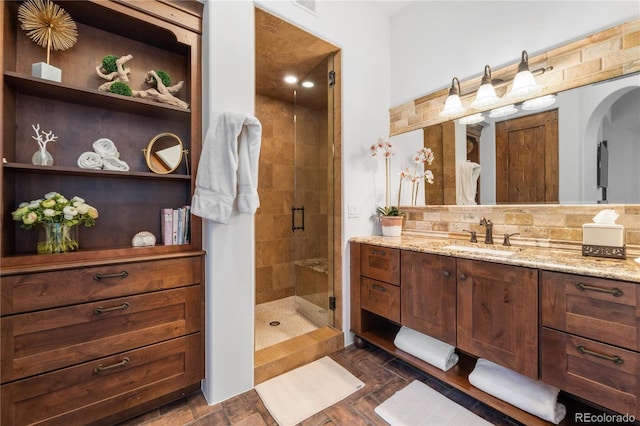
x: 484, y: 250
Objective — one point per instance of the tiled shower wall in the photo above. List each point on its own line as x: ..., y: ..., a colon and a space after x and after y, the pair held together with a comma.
x: 277, y: 246
x: 541, y: 225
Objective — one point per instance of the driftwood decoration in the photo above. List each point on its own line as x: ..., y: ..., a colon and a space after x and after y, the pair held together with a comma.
x: 121, y: 74
x: 160, y: 93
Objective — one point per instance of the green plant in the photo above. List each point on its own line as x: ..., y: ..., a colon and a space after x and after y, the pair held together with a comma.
x: 120, y: 88
x: 164, y: 76
x: 109, y: 63
x: 389, y: 211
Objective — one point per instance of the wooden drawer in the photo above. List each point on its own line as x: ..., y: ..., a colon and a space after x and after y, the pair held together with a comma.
x: 600, y: 309
x: 29, y: 292
x: 74, y: 395
x: 381, y: 298
x: 380, y: 263
x: 37, y: 342
x: 590, y: 370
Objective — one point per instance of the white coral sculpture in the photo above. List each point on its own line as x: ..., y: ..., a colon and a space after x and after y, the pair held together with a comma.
x: 48, y: 136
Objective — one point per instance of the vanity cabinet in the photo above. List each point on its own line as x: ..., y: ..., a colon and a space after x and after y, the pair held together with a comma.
x: 497, y: 314
x: 590, y: 339
x: 431, y: 299
x: 109, y: 331
x: 429, y: 294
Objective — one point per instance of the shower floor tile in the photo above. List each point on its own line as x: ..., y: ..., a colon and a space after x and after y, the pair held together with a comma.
x: 291, y: 322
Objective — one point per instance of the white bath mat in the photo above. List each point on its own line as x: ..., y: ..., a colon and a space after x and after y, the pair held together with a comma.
x: 307, y: 390
x: 418, y: 405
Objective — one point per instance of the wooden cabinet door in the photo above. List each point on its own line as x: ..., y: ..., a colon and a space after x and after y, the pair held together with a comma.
x: 527, y: 159
x: 497, y: 314
x: 428, y: 298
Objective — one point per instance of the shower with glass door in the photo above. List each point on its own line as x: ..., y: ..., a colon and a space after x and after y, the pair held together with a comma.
x: 295, y: 222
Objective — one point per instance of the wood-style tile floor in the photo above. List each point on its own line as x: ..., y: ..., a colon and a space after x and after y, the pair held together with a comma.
x: 382, y: 373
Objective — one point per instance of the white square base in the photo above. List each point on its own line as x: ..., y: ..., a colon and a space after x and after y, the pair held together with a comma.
x: 46, y: 71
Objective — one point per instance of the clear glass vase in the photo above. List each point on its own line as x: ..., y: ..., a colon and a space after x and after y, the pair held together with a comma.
x: 42, y: 157
x: 57, y: 238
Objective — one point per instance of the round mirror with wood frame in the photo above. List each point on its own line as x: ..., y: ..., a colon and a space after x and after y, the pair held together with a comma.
x: 164, y: 153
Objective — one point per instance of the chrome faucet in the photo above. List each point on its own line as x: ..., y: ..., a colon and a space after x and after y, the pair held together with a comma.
x: 488, y: 237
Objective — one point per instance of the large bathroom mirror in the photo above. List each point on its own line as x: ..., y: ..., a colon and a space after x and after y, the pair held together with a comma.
x: 598, y: 147
x: 164, y: 153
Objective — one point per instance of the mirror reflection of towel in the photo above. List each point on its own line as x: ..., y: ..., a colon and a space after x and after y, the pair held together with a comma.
x: 467, y: 182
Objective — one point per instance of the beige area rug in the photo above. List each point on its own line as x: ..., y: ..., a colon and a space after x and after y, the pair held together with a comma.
x: 419, y: 405
x: 307, y: 390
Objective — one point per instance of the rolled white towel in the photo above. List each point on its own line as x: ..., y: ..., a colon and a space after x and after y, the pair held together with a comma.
x: 532, y: 396
x: 427, y: 348
x: 90, y: 160
x: 106, y: 148
x: 112, y: 163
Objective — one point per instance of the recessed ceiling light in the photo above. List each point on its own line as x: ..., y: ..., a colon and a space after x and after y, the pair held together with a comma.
x: 307, y: 84
x: 291, y: 79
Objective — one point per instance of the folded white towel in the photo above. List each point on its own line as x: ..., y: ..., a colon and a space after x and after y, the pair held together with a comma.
x: 112, y: 163
x: 90, y: 160
x: 532, y: 396
x: 427, y: 348
x: 467, y: 182
x: 106, y: 148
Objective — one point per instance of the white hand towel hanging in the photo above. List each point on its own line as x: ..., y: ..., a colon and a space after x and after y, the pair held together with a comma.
x: 228, y: 168
x: 467, y: 183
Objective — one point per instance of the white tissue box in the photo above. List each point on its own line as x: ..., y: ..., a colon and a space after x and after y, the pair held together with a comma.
x: 603, y: 240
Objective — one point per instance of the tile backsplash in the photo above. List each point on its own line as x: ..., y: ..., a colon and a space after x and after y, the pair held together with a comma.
x: 558, y: 226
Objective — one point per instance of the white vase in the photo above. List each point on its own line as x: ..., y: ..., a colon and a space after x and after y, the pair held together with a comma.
x: 391, y: 225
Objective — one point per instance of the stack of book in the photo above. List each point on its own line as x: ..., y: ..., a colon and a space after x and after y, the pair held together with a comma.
x: 176, y: 225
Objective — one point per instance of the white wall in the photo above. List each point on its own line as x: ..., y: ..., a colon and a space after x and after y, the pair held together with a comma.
x: 434, y: 41
x: 228, y: 83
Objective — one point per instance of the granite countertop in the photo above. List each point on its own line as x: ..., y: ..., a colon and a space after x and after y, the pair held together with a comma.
x: 560, y: 260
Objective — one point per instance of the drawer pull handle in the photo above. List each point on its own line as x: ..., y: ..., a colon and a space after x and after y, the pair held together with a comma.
x: 616, y: 292
x: 379, y: 288
x: 100, y: 368
x: 100, y: 310
x: 613, y: 358
x: 463, y: 277
x: 380, y: 252
x: 446, y: 274
x: 123, y: 274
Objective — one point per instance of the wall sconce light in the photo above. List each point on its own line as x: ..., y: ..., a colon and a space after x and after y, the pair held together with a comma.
x: 524, y: 83
x: 504, y: 111
x: 453, y: 104
x: 486, y: 96
x: 539, y: 103
x: 472, y: 119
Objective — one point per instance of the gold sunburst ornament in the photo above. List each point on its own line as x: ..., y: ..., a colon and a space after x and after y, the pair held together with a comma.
x: 48, y: 25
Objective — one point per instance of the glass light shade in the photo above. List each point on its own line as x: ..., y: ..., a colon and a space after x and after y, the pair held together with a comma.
x: 539, y: 103
x: 452, y: 106
x: 524, y: 85
x: 504, y: 111
x: 485, y: 97
x: 472, y: 119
